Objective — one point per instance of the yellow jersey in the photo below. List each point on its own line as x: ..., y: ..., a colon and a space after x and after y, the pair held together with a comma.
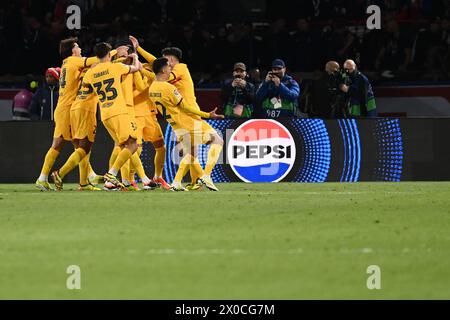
x: 105, y: 78
x: 143, y: 105
x: 69, y: 80
x: 127, y: 88
x: 170, y: 104
x: 182, y: 80
x: 86, y: 98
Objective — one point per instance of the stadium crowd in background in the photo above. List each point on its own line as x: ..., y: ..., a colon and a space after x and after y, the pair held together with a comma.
x: 414, y: 41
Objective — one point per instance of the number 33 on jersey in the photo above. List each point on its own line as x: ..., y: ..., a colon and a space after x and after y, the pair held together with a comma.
x: 105, y: 78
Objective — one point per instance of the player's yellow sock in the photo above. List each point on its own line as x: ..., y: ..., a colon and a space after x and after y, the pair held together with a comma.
x: 137, y: 165
x: 132, y: 168
x: 85, y: 168
x: 160, y: 156
x: 198, y: 171
x: 122, y: 157
x: 49, y: 160
x: 125, y: 172
x: 213, y: 157
x: 90, y: 170
x: 186, y: 163
x: 72, y: 162
x: 115, y: 152
x: 193, y: 173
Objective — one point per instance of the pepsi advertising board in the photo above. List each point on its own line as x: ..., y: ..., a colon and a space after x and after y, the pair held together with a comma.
x: 261, y: 151
x: 316, y: 150
x: 288, y: 150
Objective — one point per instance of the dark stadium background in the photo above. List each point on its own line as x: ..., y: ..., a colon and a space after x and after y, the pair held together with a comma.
x: 216, y: 33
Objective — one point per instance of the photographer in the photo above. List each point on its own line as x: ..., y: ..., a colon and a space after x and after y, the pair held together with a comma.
x: 362, y: 100
x: 238, y: 95
x: 279, y: 93
x: 338, y: 100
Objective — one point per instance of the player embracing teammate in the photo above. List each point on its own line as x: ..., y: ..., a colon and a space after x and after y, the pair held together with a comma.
x: 128, y: 95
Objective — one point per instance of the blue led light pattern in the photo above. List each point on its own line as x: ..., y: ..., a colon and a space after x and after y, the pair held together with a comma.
x: 313, y: 151
x: 388, y: 136
x: 316, y: 151
x: 352, y: 150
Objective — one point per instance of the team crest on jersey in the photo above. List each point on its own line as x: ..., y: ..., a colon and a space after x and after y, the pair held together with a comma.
x: 261, y: 151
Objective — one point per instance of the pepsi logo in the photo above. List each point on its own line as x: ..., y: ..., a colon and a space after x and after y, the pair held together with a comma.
x: 261, y: 151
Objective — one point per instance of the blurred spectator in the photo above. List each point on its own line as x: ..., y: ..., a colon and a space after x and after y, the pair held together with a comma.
x: 22, y: 100
x: 45, y: 99
x: 315, y: 32
x: 341, y: 42
x: 238, y: 94
x: 255, y: 77
x: 395, y: 53
x: 279, y: 92
x: 301, y: 41
x: 362, y: 100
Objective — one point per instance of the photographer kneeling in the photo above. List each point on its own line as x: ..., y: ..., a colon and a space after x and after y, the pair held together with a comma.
x: 238, y: 95
x: 279, y: 93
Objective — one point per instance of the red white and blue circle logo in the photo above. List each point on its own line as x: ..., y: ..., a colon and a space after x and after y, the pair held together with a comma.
x: 261, y: 151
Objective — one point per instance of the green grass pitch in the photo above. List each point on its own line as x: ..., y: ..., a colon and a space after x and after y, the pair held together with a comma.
x: 248, y: 241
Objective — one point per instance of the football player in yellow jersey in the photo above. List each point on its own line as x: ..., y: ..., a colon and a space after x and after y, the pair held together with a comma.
x: 128, y: 169
x: 184, y: 120
x: 105, y: 78
x: 83, y: 125
x: 71, y: 68
x: 147, y: 123
x: 182, y: 80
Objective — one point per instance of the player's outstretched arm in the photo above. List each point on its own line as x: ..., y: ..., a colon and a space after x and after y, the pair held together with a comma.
x: 211, y: 115
x: 148, y: 74
x: 214, y: 115
x: 136, y: 66
x: 145, y: 54
x: 139, y: 82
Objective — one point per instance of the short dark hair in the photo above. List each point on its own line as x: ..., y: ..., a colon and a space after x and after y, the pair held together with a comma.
x: 66, y: 46
x: 172, y: 51
x: 102, y: 49
x: 131, y: 49
x: 159, y: 64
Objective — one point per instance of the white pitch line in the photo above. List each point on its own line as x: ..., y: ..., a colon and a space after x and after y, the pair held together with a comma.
x: 169, y: 251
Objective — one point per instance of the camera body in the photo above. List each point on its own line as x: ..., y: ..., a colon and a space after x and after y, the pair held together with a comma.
x: 338, y: 99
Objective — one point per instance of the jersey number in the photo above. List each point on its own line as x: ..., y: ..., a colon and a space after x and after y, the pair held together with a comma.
x: 62, y: 80
x: 103, y: 94
x: 88, y: 89
x: 163, y: 110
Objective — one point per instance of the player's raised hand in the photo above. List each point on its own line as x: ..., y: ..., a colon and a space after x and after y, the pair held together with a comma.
x: 134, y: 41
x: 139, y: 65
x: 214, y: 115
